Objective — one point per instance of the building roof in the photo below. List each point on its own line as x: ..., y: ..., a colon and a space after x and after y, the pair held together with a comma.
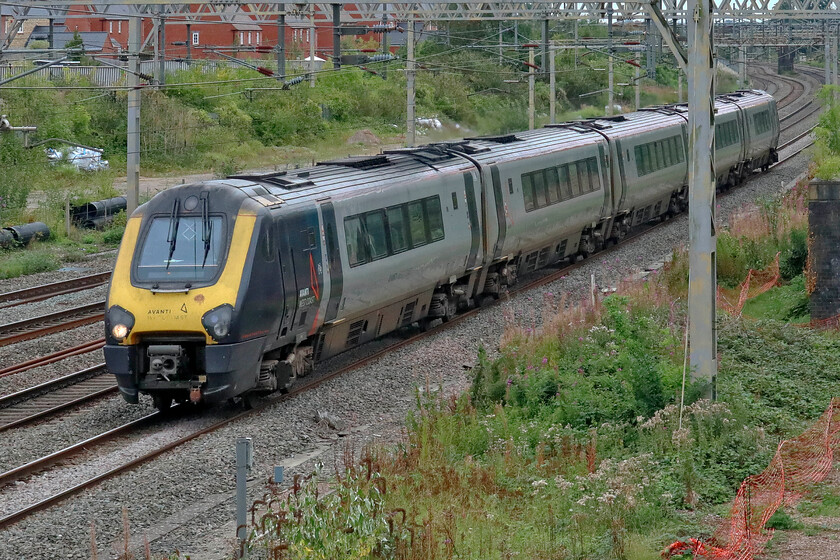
x: 92, y: 41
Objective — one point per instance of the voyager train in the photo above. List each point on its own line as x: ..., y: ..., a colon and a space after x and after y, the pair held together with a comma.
x: 227, y: 287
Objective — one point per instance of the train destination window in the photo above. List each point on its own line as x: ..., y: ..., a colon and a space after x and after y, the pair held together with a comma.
x: 417, y: 223
x: 435, y: 217
x: 375, y: 226
x: 398, y: 229
x: 181, y: 248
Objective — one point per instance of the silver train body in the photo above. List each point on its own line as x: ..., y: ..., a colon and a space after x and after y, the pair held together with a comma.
x: 315, y: 261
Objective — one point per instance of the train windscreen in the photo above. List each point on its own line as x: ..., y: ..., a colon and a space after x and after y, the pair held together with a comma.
x: 181, y: 249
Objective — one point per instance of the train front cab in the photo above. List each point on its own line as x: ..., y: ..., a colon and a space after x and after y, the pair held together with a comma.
x: 175, y: 301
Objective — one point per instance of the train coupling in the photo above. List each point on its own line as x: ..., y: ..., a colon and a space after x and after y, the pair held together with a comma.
x: 195, y: 394
x: 164, y: 359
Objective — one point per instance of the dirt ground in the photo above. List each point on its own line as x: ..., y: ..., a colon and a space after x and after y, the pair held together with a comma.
x: 819, y: 537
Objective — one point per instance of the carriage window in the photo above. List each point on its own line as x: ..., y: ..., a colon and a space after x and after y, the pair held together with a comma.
x: 417, y: 223
x: 666, y: 152
x: 356, y: 245
x: 375, y: 226
x: 575, y: 180
x: 435, y: 217
x: 528, y: 192
x: 454, y: 201
x: 565, y: 184
x: 594, y: 177
x: 552, y: 183
x: 680, y: 153
x: 539, y: 189
x: 398, y: 229
x: 640, y: 161
x: 761, y: 122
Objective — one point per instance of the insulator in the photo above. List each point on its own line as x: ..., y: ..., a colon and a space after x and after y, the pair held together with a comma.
x: 381, y: 58
x: 265, y: 71
x: 293, y: 81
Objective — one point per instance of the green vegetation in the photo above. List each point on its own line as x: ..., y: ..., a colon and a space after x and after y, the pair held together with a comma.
x: 827, y: 144
x: 568, y: 445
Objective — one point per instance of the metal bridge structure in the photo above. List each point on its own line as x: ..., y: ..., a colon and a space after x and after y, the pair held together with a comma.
x: 440, y: 10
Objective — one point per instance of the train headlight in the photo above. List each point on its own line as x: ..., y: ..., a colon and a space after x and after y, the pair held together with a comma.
x: 217, y: 321
x: 118, y: 322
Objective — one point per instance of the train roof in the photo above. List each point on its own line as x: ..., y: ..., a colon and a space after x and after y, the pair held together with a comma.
x: 342, y: 177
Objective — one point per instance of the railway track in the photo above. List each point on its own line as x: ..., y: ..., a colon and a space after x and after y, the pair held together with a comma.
x: 83, y: 348
x: 55, y: 395
x: 28, y: 329
x: 39, y: 293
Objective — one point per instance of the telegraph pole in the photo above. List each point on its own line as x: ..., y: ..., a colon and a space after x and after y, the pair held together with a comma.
x: 336, y: 36
x: 312, y: 39
x: 638, y: 80
x: 701, y: 195
x: 610, y: 94
x: 552, y: 88
x: 501, y: 33
x: 162, y: 38
x: 827, y: 54
x: 135, y: 27
x: 281, y: 42
x: 531, y: 92
x: 409, y: 79
x: 545, y: 39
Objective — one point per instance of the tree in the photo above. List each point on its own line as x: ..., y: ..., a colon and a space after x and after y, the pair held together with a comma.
x: 78, y: 44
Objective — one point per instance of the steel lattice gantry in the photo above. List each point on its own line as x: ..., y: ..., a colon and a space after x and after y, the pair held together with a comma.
x: 434, y: 10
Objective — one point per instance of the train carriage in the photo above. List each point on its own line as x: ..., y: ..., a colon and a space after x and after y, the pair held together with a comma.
x: 228, y: 287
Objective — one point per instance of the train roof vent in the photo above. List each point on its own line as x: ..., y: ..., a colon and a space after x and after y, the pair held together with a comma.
x: 280, y: 179
x: 427, y: 154
x: 359, y: 162
x: 664, y: 109
x: 501, y: 139
x: 617, y: 118
x: 262, y: 195
x: 584, y: 127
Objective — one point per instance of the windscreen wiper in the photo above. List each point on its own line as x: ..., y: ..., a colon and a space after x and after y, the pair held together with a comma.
x: 206, y: 227
x: 172, y: 237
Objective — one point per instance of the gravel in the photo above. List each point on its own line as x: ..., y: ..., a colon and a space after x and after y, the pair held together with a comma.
x: 183, y: 500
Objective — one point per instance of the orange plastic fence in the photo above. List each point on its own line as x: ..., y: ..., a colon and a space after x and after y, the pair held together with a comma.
x: 756, y: 283
x: 798, y: 463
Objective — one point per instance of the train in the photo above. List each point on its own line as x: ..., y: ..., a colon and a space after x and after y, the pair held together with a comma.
x: 227, y: 288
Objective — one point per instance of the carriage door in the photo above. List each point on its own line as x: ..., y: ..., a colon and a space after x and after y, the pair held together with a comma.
x: 308, y: 271
x: 336, y: 278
